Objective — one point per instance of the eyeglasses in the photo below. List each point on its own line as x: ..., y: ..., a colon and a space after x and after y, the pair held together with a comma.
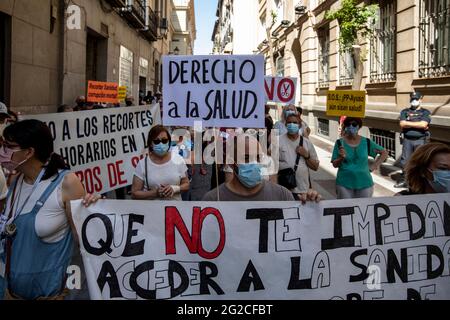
x: 354, y: 124
x: 158, y: 141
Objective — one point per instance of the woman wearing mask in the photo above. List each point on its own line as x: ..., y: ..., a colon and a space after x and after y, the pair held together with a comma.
x: 428, y: 170
x: 297, y: 157
x: 289, y: 110
x: 351, y: 157
x: 36, y: 222
x: 161, y: 174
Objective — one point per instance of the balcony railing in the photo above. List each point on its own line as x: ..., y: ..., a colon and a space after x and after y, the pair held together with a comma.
x: 434, y: 31
x: 135, y: 13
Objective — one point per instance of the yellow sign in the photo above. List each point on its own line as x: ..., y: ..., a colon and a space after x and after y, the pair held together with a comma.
x: 346, y: 103
x: 122, y: 93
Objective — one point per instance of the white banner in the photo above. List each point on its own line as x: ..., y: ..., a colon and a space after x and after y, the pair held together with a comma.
x: 102, y: 146
x: 219, y: 91
x: 280, y: 89
x: 379, y: 248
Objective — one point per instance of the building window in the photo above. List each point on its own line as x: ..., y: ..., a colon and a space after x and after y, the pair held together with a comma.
x: 323, y: 127
x: 126, y: 69
x: 384, y: 138
x: 434, y: 37
x: 346, y: 68
x: 382, y: 44
x: 279, y: 5
x: 324, y: 57
x: 280, y: 65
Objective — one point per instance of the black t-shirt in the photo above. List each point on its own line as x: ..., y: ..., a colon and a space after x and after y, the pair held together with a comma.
x: 415, y: 116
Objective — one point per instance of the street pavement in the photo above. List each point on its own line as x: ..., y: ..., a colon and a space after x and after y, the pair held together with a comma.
x: 324, y: 180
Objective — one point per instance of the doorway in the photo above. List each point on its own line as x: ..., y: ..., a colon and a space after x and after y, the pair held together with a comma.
x: 96, y: 56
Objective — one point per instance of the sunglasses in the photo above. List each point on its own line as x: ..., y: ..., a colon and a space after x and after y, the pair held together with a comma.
x: 354, y: 124
x: 158, y: 141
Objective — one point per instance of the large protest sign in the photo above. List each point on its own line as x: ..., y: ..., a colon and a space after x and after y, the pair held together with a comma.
x: 102, y: 92
x: 385, y: 248
x: 102, y: 146
x: 219, y: 91
x: 280, y: 89
x: 346, y: 103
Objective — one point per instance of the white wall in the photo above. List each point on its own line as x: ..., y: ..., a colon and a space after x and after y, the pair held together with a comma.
x: 245, y: 30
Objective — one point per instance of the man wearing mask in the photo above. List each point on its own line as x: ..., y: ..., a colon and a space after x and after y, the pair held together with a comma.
x: 247, y: 183
x: 414, y: 122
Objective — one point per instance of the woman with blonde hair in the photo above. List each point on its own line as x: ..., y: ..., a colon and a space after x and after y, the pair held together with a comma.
x: 428, y: 170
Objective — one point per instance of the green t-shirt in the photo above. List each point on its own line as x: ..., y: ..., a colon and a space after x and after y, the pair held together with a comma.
x: 354, y: 171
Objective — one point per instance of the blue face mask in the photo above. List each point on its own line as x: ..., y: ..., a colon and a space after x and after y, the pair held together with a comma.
x: 161, y: 149
x: 293, y: 128
x: 352, y: 130
x: 249, y: 174
x: 441, y: 181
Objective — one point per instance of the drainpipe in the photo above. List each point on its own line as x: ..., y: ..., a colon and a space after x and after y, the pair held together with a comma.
x: 61, y: 49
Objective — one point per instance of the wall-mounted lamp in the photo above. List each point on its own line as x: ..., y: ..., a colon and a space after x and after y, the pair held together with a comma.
x: 299, y: 9
x: 285, y: 23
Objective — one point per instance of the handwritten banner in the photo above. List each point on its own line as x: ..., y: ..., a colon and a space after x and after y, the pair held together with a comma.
x: 102, y: 146
x: 280, y: 89
x: 122, y: 93
x: 378, y: 248
x: 346, y: 103
x: 219, y: 91
x: 102, y: 92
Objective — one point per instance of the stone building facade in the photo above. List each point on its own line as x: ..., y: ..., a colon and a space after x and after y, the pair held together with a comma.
x: 408, y: 52
x: 51, y: 48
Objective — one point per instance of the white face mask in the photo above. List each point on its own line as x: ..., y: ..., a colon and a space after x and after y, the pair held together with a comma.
x: 415, y: 104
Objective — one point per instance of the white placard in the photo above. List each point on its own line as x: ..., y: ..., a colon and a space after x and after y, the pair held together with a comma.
x: 378, y: 248
x: 280, y: 89
x: 219, y: 91
x: 102, y: 146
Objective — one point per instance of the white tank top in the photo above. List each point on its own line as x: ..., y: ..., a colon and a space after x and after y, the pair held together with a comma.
x: 51, y: 223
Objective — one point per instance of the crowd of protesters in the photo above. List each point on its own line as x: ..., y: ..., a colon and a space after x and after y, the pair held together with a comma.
x: 35, y: 195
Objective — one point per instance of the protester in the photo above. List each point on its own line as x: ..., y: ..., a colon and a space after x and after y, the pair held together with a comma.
x: 350, y: 155
x: 267, y: 115
x: 414, y: 122
x: 297, y: 157
x: 281, y: 125
x: 37, y: 218
x: 247, y: 183
x: 5, y: 117
x: 341, y: 126
x: 428, y: 170
x: 148, y: 99
x: 65, y: 108
x: 129, y: 101
x: 158, y: 97
x: 161, y: 174
x: 201, y: 175
x: 141, y: 98
x: 80, y: 103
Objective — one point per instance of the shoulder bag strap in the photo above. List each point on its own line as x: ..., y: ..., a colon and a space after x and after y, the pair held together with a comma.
x: 298, y: 156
